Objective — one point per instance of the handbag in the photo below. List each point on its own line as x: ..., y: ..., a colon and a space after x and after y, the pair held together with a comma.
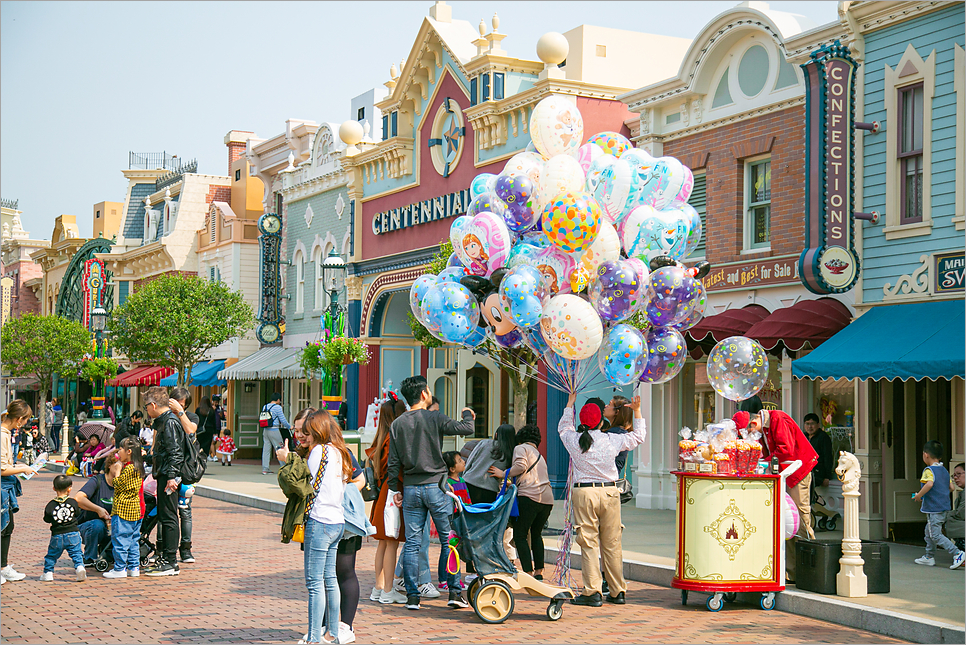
x: 370, y: 491
x: 515, y: 510
x: 624, y: 486
x: 298, y: 535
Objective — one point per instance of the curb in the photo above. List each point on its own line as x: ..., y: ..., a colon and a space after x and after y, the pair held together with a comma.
x: 792, y: 601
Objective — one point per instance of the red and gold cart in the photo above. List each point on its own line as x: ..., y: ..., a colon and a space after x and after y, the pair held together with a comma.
x: 730, y: 536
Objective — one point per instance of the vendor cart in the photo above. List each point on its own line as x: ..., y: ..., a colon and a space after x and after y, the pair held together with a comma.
x: 730, y: 535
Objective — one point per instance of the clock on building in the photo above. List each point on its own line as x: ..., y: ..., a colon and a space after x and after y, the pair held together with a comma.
x: 267, y: 333
x: 269, y: 224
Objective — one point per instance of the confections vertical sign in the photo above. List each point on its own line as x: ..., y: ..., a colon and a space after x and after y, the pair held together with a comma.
x: 829, y: 262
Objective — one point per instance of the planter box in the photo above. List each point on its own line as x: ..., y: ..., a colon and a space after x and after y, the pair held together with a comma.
x: 817, y: 564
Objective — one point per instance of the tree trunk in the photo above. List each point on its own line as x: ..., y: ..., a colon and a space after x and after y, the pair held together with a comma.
x: 520, y: 400
x: 42, y: 412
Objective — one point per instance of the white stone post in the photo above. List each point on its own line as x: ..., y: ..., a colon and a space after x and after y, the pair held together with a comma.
x: 851, y: 581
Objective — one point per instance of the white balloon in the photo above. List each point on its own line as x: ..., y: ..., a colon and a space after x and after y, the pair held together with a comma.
x: 606, y: 246
x: 556, y: 126
x: 571, y: 327
x: 561, y: 174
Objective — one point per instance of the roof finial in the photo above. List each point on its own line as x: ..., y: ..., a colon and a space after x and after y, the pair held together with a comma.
x: 482, y: 27
x: 393, y: 72
x: 496, y: 21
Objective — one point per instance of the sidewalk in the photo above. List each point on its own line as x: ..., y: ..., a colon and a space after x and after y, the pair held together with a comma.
x: 908, y: 611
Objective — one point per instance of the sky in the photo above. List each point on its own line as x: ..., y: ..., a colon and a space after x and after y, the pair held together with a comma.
x: 84, y: 83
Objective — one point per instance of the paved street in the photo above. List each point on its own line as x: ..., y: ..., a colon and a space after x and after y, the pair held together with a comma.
x: 247, y: 587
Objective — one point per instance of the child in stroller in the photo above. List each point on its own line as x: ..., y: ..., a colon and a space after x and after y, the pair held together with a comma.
x: 478, y: 530
x: 105, y: 558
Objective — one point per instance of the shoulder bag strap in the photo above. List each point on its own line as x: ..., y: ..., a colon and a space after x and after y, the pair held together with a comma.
x: 316, y: 483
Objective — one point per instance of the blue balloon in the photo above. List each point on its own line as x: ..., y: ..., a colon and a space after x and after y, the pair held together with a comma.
x: 454, y: 260
x: 450, y: 311
x: 533, y: 338
x: 421, y: 285
x: 523, y: 294
x: 487, y: 202
x: 476, y: 337
x: 480, y: 184
x: 452, y: 274
x: 623, y: 355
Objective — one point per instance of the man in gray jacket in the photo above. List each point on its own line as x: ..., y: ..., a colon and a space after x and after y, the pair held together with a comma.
x: 954, y: 518
x: 416, y: 450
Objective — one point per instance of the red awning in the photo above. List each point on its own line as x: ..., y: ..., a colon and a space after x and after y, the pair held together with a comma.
x: 714, y: 329
x: 141, y: 376
x: 809, y: 322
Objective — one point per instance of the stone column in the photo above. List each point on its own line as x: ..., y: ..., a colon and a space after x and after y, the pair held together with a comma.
x: 851, y: 581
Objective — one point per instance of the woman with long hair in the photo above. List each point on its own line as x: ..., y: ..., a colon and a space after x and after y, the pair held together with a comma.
x: 207, y: 425
x: 17, y: 414
x: 596, y: 500
x: 388, y: 546
x: 498, y: 451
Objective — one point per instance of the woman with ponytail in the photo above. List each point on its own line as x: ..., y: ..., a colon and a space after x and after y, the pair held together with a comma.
x: 596, y: 500
x: 17, y: 414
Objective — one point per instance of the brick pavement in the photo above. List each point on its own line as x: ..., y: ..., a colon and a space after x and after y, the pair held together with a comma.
x: 247, y: 587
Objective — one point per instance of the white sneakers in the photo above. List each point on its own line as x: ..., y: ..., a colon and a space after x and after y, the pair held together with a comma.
x: 375, y: 595
x: 81, y: 573
x: 399, y: 585
x: 134, y: 573
x: 346, y: 635
x: 9, y: 574
x: 958, y: 560
x: 48, y: 576
x: 926, y: 561
x: 116, y: 573
x: 428, y: 591
x: 392, y: 597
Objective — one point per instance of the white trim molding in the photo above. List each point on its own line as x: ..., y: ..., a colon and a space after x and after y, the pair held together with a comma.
x: 959, y: 86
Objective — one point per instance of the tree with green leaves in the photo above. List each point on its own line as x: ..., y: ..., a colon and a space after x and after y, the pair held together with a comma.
x: 38, y: 347
x: 520, y: 363
x: 175, y: 320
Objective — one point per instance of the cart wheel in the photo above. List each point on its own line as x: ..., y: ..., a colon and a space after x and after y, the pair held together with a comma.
x: 830, y: 524
x: 684, y: 596
x: 730, y: 596
x: 767, y: 601
x: 555, y: 610
x: 101, y: 565
x: 144, y: 560
x: 493, y: 602
x: 823, y: 523
x: 714, y: 602
x: 473, y: 588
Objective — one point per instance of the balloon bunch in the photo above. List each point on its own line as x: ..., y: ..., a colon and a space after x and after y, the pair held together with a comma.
x: 565, y: 248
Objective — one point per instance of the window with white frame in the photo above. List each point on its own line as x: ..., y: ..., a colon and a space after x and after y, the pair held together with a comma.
x: 319, y: 285
x: 758, y: 204
x: 299, y: 262
x: 301, y: 395
x: 910, y: 104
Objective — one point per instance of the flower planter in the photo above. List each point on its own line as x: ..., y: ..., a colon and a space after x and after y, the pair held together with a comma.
x: 332, y: 403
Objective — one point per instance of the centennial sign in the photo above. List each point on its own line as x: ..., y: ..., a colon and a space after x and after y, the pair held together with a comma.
x: 829, y: 263
x: 428, y: 210
x: 949, y: 272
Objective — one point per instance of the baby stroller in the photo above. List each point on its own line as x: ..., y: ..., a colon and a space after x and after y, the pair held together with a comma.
x: 825, y: 519
x: 105, y: 559
x: 480, y: 528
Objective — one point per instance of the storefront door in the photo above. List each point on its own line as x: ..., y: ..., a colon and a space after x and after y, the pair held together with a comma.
x: 245, y: 428
x: 477, y: 387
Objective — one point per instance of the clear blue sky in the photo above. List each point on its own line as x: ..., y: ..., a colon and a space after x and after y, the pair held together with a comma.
x: 84, y: 83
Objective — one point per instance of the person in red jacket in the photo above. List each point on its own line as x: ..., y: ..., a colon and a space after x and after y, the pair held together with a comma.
x: 781, y: 437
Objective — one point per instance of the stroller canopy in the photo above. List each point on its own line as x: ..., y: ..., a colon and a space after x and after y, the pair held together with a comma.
x: 481, y: 528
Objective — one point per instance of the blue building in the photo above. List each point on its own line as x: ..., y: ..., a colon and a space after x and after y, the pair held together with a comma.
x: 905, y: 350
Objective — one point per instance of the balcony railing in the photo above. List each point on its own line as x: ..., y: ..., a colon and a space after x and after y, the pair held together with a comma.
x: 10, y: 203
x: 174, y: 176
x: 153, y: 161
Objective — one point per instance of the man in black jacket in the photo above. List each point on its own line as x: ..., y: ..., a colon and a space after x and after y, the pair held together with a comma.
x: 168, y: 459
x: 416, y: 450
x: 822, y: 444
x: 129, y: 426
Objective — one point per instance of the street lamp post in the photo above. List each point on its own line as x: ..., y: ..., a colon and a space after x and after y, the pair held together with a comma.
x: 98, y: 323
x: 333, y: 277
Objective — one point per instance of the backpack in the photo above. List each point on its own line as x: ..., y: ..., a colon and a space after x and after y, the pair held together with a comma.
x: 195, y: 461
x: 265, y: 418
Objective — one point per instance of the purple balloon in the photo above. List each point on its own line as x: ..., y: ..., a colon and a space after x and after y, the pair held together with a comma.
x: 516, y: 191
x: 666, y: 353
x: 616, y: 291
x: 671, y: 296
x: 454, y: 261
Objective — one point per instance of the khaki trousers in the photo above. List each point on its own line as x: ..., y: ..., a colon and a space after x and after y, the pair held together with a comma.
x: 800, y: 495
x: 597, y: 518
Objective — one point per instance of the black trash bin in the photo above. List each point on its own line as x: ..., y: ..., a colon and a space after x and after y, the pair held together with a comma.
x: 817, y: 565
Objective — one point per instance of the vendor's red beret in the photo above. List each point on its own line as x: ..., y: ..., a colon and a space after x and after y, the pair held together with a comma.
x: 590, y: 415
x: 741, y: 419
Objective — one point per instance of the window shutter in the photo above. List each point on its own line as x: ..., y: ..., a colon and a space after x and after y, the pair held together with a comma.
x: 698, y: 201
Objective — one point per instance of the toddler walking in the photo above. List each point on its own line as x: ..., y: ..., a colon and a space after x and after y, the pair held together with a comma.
x: 934, y: 496
x: 62, y: 513
x: 127, y: 511
x: 226, y: 446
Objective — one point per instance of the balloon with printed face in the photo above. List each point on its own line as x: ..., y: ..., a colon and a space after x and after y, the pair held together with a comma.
x: 616, y: 291
x: 523, y: 295
x: 611, y: 143
x: 480, y: 184
x: 556, y: 126
x: 697, y: 313
x: 670, y: 181
x: 487, y: 202
x: 571, y: 221
x: 561, y: 174
x: 571, y: 327
x: 737, y: 368
x: 450, y: 311
x: 623, y: 355
x: 620, y: 187
x: 649, y: 232
x: 587, y: 154
x: 671, y: 296
x: 666, y: 353
x: 555, y: 265
x: 694, y: 228
x: 481, y: 241
x: 421, y: 285
x: 593, y: 172
x: 517, y: 192
x: 526, y: 163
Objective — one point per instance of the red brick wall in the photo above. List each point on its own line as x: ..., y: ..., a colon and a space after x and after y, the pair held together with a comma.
x: 22, y: 298
x: 218, y: 194
x: 723, y: 151
x: 236, y: 150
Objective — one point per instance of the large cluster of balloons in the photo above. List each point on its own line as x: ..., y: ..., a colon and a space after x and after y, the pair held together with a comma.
x: 564, y: 247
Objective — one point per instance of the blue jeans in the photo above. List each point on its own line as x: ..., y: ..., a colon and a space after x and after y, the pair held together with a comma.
x: 92, y: 533
x: 124, y: 536
x: 321, y: 546
x: 70, y: 542
x: 424, y: 575
x: 418, y: 501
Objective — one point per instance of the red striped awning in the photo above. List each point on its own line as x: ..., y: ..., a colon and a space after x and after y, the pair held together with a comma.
x: 807, y: 322
x: 142, y: 376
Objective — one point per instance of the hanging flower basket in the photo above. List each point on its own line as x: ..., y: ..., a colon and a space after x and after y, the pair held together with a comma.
x: 95, y: 369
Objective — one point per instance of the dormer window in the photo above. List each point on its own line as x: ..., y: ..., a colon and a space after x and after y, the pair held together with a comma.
x: 474, y: 90
x: 486, y: 88
x: 498, y: 85
x: 385, y: 127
